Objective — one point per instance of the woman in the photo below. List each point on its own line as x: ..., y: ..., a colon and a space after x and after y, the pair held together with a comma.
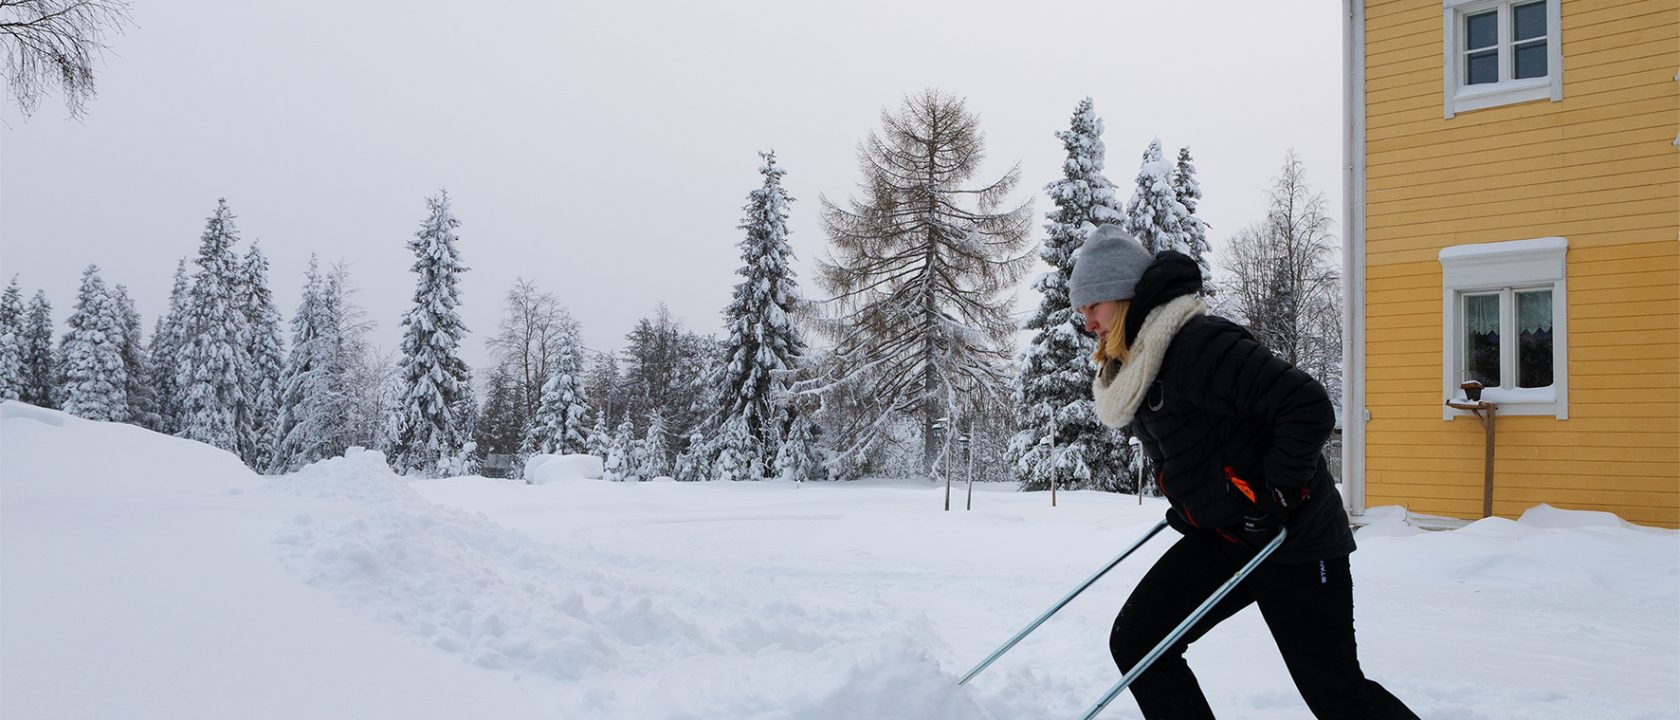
x: 1234, y: 434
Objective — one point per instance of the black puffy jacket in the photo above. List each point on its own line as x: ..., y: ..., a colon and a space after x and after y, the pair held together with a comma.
x: 1224, y: 406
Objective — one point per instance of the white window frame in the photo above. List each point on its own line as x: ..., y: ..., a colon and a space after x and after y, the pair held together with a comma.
x: 1506, y: 268
x: 1462, y: 98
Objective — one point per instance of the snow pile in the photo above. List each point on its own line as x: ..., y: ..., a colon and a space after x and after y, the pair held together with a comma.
x: 500, y: 600
x: 457, y: 581
x: 543, y: 468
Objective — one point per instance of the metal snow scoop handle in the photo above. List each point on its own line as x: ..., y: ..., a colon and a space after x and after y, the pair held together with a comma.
x: 1184, y: 627
x: 1058, y: 606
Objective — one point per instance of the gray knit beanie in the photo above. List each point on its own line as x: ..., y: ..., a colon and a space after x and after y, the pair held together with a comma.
x: 1107, y: 267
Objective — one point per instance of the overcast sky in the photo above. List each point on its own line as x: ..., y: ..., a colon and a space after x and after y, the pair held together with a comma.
x: 605, y: 150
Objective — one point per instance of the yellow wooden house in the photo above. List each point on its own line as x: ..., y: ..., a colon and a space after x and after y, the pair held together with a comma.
x: 1513, y: 218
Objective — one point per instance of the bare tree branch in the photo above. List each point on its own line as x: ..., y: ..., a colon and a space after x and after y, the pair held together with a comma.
x: 53, y: 44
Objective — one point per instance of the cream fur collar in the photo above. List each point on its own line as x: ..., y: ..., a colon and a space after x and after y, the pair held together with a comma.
x: 1117, y: 399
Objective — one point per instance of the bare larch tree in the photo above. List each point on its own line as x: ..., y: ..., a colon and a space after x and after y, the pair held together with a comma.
x: 919, y: 269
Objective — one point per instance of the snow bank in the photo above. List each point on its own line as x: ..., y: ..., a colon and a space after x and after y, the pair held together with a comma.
x: 545, y: 469
x: 64, y: 456
x: 138, y: 579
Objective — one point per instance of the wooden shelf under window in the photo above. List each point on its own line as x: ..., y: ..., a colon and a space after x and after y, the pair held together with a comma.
x: 1485, y: 412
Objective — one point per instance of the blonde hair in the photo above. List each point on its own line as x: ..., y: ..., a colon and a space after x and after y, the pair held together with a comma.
x: 1112, y: 346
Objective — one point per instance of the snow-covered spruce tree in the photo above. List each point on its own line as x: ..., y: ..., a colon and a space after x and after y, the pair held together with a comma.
x: 369, y: 385
x: 163, y: 362
x: 692, y: 461
x: 11, y: 342
x: 734, y: 457
x: 599, y: 441
x: 11, y: 308
x: 309, y: 399
x: 1153, y: 215
x: 95, y: 381
x: 39, y: 363
x: 11, y: 365
x: 262, y: 382
x: 429, y: 429
x: 800, y: 458
x: 560, y: 416
x: 1194, y: 231
x: 1053, y: 388
x: 499, y: 431
x: 653, y: 454
x: 142, y: 400
x: 920, y: 269
x: 467, y: 461
x: 213, y: 363
x: 664, y: 370
x: 764, y: 344
x: 618, y: 465
x: 605, y: 388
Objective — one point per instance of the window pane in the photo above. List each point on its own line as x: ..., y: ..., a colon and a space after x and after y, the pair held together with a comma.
x: 1481, y: 30
x: 1531, y: 60
x: 1534, y: 339
x: 1528, y: 21
x: 1481, y: 339
x: 1482, y: 67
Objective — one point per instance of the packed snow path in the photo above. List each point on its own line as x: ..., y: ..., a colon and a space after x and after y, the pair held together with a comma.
x: 144, y: 576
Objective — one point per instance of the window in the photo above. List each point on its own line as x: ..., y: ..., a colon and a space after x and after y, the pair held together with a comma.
x: 1498, y: 52
x: 1503, y: 311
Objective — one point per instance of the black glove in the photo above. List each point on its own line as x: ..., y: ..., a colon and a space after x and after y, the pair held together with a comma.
x: 1272, y: 507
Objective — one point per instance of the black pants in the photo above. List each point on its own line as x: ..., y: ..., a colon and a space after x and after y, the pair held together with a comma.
x: 1307, y: 606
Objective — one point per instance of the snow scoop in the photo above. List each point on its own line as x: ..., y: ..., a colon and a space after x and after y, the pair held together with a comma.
x: 1184, y: 627
x: 1058, y: 606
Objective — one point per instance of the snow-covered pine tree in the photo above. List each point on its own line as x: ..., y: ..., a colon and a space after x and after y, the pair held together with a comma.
x: 735, y: 457
x: 600, y: 439
x: 11, y: 365
x: 921, y: 267
x: 691, y: 462
x: 605, y: 389
x: 40, y: 364
x: 429, y: 429
x: 618, y: 465
x: 800, y: 459
x: 142, y: 399
x: 11, y: 342
x: 163, y: 362
x: 95, y: 381
x: 764, y: 344
x: 308, y: 399
x: 370, y: 386
x: 11, y: 308
x: 1054, y: 385
x: 498, y: 421
x: 466, y: 408
x: 267, y: 360
x: 560, y: 417
x: 1194, y: 231
x: 653, y: 455
x: 1153, y: 215
x: 213, y: 363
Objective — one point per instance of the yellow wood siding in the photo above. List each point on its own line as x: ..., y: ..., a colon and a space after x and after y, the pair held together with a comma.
x: 1598, y: 168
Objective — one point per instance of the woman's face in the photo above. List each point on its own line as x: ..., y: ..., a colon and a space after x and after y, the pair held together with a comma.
x: 1099, y: 317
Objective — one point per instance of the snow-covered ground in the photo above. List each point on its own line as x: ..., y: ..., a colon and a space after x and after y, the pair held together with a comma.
x: 149, y: 577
